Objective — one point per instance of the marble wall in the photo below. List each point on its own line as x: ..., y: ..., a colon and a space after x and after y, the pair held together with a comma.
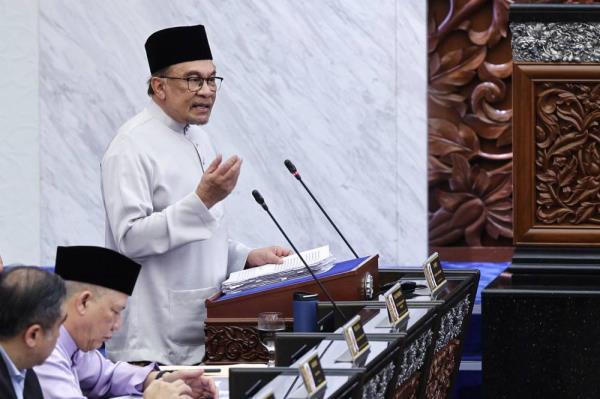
x: 337, y: 86
x: 19, y: 135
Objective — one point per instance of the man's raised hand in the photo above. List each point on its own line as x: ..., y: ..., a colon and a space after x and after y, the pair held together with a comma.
x: 219, y: 180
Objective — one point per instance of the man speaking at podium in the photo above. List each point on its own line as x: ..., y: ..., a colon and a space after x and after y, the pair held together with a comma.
x: 163, y: 187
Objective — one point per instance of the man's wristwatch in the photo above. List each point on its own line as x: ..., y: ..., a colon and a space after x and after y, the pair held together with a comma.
x: 161, y: 373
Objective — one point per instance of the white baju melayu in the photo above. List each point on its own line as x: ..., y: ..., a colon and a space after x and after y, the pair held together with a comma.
x: 149, y: 175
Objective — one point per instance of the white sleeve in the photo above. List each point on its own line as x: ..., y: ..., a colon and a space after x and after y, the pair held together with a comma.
x: 137, y: 229
x: 237, y: 256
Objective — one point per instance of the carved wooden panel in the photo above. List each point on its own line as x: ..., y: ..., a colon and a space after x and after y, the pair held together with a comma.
x: 470, y: 117
x: 557, y: 134
x: 233, y: 344
x: 470, y: 123
x: 235, y: 340
x: 442, y: 371
x: 409, y: 389
x: 567, y: 134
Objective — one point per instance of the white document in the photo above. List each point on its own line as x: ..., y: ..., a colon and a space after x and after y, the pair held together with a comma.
x: 312, y: 257
x: 317, y: 259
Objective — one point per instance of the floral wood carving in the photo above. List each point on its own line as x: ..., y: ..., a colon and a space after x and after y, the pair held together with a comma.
x: 409, y: 389
x: 442, y: 371
x: 470, y: 116
x: 567, y: 157
x: 233, y: 344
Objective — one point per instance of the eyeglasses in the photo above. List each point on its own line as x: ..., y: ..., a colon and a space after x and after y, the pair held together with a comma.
x: 195, y: 83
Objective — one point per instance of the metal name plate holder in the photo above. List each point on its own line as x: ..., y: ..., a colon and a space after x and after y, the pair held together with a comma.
x: 434, y: 274
x: 312, y: 376
x: 397, y: 309
x: 357, y: 341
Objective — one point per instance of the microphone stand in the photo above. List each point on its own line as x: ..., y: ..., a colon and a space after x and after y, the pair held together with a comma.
x: 258, y: 197
x: 296, y: 174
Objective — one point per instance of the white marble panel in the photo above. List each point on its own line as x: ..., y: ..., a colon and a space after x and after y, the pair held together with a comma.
x: 314, y: 81
x: 19, y: 138
x: 411, y: 131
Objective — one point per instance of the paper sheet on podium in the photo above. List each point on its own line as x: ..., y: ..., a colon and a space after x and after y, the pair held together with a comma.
x: 318, y: 259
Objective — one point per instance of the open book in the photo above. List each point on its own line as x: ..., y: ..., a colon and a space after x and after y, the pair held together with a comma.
x: 318, y: 259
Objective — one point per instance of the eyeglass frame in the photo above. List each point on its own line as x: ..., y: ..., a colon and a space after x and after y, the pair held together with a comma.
x: 201, y: 79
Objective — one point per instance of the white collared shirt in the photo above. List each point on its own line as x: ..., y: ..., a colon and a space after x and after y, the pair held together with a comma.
x: 17, y: 377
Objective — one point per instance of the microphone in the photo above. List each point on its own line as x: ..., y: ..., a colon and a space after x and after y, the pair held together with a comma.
x: 261, y: 201
x: 290, y: 166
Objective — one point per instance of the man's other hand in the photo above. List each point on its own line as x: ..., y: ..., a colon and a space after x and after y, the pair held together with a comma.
x: 161, y: 389
x: 263, y: 256
x: 219, y: 180
x: 202, y: 387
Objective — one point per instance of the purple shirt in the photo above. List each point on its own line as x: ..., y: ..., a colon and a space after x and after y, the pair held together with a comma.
x: 70, y: 373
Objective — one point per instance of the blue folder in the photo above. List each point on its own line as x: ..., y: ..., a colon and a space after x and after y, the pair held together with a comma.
x: 338, y: 268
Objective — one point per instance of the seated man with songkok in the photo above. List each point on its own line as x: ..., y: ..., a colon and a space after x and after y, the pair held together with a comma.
x: 31, y: 313
x: 99, y: 282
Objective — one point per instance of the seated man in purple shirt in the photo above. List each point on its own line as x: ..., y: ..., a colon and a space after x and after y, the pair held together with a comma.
x: 31, y: 313
x: 99, y: 282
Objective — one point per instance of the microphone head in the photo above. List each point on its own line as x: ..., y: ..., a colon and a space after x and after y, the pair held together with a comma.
x: 290, y: 166
x: 259, y: 198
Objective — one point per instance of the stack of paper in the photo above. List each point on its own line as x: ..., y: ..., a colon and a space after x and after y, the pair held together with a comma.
x: 318, y: 259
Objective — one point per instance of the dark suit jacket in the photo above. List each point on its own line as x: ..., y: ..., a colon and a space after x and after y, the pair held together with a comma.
x: 32, y: 385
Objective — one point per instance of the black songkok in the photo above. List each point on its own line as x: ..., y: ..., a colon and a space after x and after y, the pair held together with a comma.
x: 174, y: 45
x: 99, y: 266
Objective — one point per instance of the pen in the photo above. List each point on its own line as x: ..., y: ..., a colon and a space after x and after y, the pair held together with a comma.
x: 212, y: 370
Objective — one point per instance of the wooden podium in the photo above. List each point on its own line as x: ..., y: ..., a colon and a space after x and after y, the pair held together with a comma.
x: 230, y: 327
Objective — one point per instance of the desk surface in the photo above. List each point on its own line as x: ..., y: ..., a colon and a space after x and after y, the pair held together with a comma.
x: 289, y: 386
x: 375, y: 319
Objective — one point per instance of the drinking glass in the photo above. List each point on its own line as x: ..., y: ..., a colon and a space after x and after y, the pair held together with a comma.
x: 268, y: 324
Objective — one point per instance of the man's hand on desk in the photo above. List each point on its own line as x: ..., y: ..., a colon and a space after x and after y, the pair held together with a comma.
x: 263, y: 256
x: 201, y: 387
x: 192, y: 384
x: 160, y: 389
